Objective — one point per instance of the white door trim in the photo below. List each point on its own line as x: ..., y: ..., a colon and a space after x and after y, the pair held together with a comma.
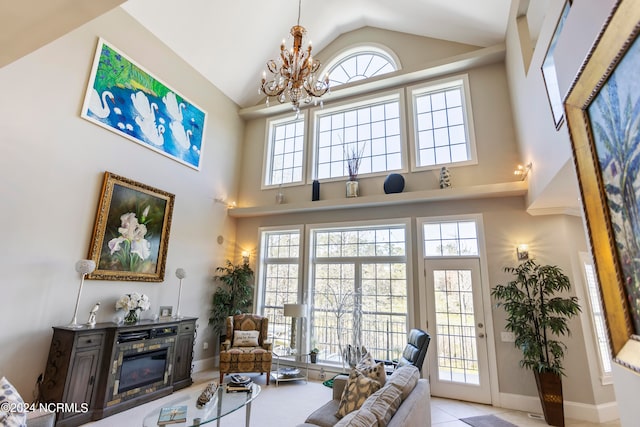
x: 486, y: 293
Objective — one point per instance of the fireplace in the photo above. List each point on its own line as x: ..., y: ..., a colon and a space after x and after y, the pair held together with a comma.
x: 142, y: 363
x: 140, y: 369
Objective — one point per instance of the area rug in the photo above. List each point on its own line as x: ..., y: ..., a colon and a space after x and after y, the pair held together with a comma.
x: 487, y: 421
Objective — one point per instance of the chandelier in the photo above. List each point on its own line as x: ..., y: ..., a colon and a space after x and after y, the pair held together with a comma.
x: 294, y: 73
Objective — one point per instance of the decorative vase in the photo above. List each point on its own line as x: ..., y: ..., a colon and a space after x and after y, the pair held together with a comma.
x: 315, y: 190
x: 394, y: 183
x: 314, y: 357
x: 131, y: 317
x: 445, y: 177
x: 352, y: 188
x: 550, y: 393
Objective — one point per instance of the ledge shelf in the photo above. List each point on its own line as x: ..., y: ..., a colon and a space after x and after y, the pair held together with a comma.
x: 505, y: 189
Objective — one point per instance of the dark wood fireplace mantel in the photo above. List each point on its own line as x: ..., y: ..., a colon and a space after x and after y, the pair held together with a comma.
x: 84, y: 366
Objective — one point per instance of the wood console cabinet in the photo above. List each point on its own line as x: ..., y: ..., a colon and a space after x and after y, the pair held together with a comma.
x: 184, y: 356
x: 85, y: 366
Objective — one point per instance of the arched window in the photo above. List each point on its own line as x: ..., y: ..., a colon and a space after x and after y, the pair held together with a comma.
x: 360, y: 63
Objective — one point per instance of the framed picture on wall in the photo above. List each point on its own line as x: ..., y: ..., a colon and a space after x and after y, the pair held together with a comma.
x: 131, y: 231
x: 126, y: 99
x: 603, y: 117
x: 549, y: 70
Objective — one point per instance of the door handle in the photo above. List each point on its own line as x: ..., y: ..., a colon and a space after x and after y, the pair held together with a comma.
x: 480, y: 335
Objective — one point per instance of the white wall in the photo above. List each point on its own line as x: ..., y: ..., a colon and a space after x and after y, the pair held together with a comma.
x: 52, y: 164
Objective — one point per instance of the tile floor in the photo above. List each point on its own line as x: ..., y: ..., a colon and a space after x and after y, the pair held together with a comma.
x: 446, y: 413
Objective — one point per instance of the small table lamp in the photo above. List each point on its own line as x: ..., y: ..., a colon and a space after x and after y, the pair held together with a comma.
x: 294, y: 311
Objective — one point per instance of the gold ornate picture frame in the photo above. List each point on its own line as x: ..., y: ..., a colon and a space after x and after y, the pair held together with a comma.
x: 131, y: 232
x: 603, y: 117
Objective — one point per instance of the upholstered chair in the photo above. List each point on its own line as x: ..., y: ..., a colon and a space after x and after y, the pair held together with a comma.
x: 246, y: 348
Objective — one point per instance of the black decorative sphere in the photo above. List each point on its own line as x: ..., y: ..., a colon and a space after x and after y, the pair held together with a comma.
x: 394, y: 183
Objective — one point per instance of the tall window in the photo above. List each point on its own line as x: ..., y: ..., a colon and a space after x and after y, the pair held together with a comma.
x: 597, y: 316
x: 359, y: 290
x: 372, y: 129
x: 285, y: 158
x: 441, y: 124
x: 360, y: 63
x: 280, y: 279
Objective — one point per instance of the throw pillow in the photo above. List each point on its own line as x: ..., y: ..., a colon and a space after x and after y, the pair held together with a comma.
x: 359, y: 387
x: 366, y: 359
x: 374, y: 371
x: 245, y: 338
x: 10, y: 400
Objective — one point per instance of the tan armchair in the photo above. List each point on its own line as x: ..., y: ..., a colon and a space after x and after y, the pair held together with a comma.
x: 244, y: 350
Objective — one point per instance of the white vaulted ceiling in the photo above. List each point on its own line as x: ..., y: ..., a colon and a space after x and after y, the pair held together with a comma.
x: 230, y: 42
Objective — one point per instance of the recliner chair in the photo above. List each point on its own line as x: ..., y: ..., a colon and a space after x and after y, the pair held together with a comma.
x: 415, y: 351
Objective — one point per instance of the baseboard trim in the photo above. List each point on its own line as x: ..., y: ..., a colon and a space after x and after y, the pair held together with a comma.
x: 601, y: 413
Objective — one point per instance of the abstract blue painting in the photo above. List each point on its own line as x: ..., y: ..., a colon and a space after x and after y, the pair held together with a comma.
x: 124, y: 98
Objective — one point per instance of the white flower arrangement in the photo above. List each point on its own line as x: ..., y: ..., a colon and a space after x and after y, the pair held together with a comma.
x: 134, y: 301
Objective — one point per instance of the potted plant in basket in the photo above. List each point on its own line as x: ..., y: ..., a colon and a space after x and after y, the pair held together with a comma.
x: 538, y: 317
x: 354, y: 158
x: 234, y: 296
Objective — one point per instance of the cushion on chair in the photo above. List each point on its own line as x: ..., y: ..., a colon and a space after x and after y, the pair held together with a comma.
x: 245, y: 338
x: 8, y: 394
x: 359, y: 387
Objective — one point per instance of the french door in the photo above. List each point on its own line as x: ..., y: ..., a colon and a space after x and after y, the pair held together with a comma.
x: 458, y: 361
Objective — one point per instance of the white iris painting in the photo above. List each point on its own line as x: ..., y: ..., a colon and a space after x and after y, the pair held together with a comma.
x: 127, y: 100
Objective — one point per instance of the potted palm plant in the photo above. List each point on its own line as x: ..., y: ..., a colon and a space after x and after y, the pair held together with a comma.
x: 234, y: 296
x: 538, y: 317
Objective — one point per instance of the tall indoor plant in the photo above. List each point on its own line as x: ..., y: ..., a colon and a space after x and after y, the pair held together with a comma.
x: 234, y: 296
x: 538, y: 317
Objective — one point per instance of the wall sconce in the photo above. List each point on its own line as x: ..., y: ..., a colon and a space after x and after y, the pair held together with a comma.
x: 222, y: 201
x: 523, y: 171
x: 523, y: 252
x: 245, y: 257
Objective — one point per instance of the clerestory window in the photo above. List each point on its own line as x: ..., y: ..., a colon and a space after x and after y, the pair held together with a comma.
x: 359, y: 64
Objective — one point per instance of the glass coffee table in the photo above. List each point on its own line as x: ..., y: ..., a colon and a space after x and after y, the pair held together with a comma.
x: 219, y: 406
